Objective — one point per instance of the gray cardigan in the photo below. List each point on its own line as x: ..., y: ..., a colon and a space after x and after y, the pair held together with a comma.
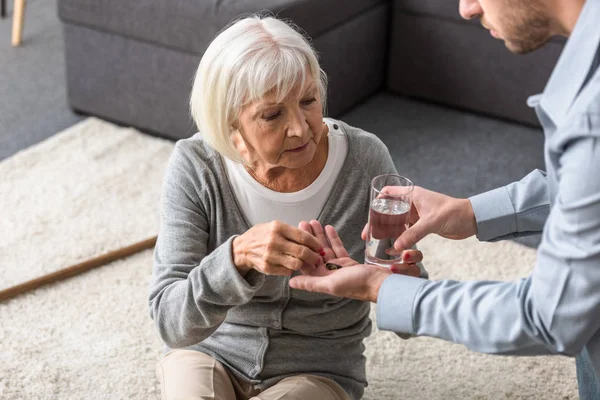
x: 257, y: 325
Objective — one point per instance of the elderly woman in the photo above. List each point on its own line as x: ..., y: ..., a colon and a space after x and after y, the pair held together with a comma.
x: 264, y: 161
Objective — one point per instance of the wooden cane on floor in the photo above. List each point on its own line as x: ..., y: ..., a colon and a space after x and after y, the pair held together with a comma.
x: 76, y: 269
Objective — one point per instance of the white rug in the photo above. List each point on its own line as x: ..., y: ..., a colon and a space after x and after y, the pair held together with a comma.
x: 89, y: 189
x: 95, y: 187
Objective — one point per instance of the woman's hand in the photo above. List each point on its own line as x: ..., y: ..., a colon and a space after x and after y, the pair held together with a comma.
x: 276, y: 248
x: 330, y: 241
x: 336, y: 252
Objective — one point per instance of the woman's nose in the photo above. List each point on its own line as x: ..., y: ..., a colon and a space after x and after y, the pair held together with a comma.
x: 470, y: 9
x: 297, y: 125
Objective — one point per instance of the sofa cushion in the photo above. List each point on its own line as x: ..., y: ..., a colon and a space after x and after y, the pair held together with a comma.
x: 190, y: 25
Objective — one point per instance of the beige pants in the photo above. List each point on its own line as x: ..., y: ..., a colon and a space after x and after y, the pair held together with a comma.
x: 188, y: 374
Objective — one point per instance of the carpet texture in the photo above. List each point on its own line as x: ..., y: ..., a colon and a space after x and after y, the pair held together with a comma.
x: 89, y: 189
x: 95, y: 187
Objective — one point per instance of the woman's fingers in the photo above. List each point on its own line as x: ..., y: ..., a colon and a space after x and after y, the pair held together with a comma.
x: 294, y: 256
x: 279, y: 270
x: 299, y: 236
x: 412, y: 256
x: 319, y: 233
x: 406, y: 269
x: 364, y: 232
x: 305, y: 226
x: 337, y: 246
x: 271, y: 246
x: 275, y: 262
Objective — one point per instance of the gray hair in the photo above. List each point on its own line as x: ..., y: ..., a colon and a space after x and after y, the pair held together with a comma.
x: 251, y: 57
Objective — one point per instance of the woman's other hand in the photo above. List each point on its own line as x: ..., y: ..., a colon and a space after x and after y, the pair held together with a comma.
x: 336, y: 252
x: 328, y: 238
x: 333, y: 246
x: 275, y: 248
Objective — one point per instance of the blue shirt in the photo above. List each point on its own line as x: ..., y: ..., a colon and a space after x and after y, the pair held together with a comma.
x: 556, y: 310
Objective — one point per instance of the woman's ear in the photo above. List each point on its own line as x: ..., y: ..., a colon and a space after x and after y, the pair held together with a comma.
x: 234, y: 125
x: 240, y: 144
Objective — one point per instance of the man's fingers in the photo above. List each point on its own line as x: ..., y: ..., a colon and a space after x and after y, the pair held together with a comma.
x: 308, y: 283
x: 411, y: 236
x: 337, y: 246
x: 344, y: 262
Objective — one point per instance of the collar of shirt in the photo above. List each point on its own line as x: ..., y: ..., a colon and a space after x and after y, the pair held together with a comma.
x: 572, y: 67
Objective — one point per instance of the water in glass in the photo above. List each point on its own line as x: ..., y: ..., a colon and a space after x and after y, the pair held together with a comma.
x: 388, y: 219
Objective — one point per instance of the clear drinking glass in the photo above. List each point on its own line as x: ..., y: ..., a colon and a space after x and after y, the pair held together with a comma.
x: 389, y: 212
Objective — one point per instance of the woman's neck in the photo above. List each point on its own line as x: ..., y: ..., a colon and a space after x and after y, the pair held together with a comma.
x: 287, y: 180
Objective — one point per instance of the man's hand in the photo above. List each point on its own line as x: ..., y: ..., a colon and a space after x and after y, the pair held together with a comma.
x: 433, y: 212
x: 360, y: 282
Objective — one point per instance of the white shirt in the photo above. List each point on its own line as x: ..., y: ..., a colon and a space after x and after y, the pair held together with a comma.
x: 260, y: 204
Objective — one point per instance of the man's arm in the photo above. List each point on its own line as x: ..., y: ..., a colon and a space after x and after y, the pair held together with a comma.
x: 518, y: 209
x: 555, y: 310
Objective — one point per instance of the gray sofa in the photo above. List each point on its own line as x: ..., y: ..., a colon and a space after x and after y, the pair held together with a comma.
x: 132, y: 62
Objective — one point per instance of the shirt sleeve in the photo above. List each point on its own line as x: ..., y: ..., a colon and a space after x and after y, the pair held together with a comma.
x: 515, y: 210
x: 555, y: 310
x: 192, y: 289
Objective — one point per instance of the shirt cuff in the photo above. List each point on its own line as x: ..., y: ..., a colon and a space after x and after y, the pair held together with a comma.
x: 494, y: 213
x: 395, y: 303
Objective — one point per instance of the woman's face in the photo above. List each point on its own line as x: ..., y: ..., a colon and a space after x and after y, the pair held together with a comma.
x: 284, y: 134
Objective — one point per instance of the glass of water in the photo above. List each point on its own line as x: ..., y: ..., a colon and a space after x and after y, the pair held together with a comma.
x: 389, y: 212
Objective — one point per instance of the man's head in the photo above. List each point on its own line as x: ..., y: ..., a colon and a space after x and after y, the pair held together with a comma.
x: 524, y: 25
